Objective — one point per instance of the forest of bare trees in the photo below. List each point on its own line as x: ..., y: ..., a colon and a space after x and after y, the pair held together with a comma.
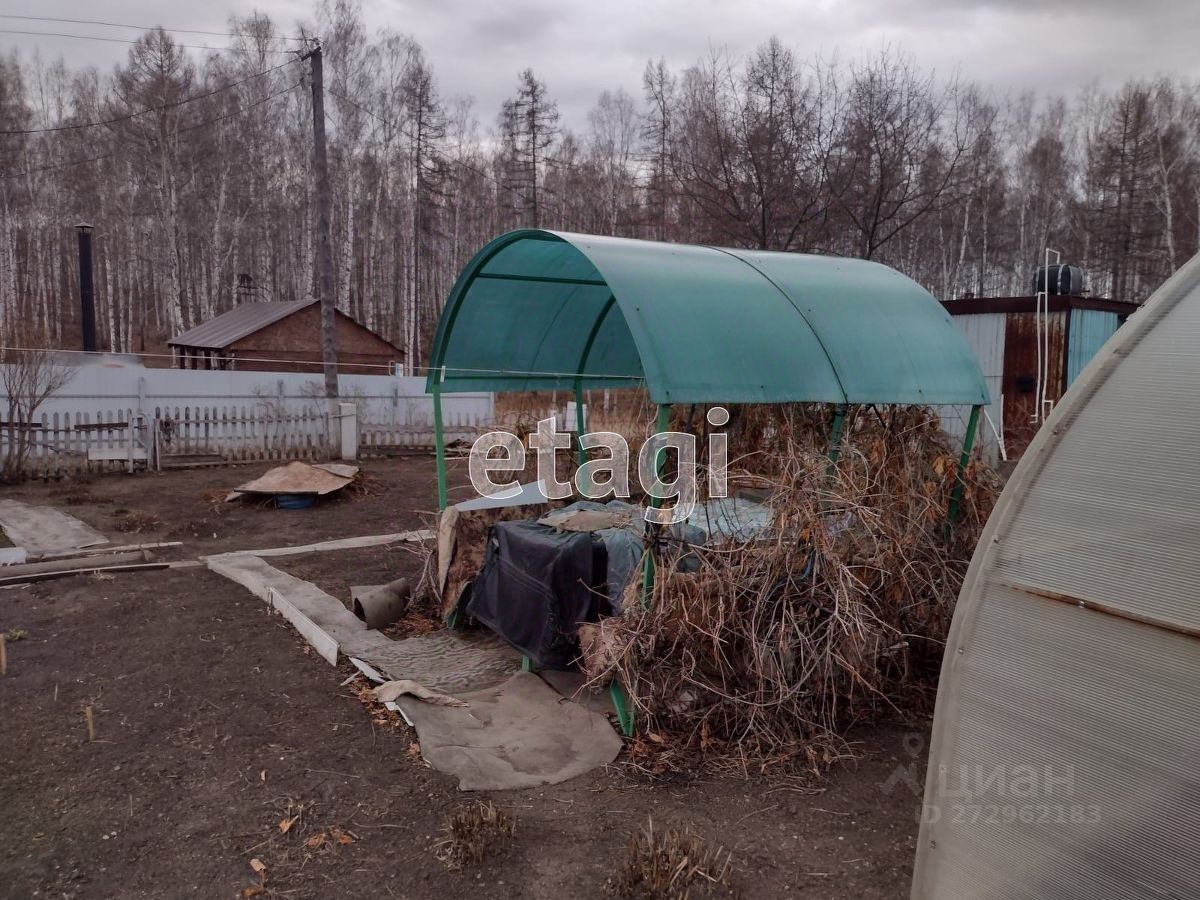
x: 195, y: 173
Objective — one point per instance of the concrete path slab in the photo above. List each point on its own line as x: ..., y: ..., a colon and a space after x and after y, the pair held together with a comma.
x: 443, y: 660
x: 43, y: 529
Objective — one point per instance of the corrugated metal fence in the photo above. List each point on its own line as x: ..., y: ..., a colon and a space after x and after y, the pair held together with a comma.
x: 985, y: 335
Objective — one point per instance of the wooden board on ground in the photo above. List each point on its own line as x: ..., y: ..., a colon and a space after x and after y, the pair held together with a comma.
x: 94, y: 551
x: 87, y: 570
x: 354, y: 543
x: 298, y: 478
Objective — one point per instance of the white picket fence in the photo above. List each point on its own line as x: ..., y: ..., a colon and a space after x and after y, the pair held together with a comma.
x: 179, y: 416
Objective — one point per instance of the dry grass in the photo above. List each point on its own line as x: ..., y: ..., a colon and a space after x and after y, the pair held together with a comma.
x: 664, y: 865
x: 214, y: 499
x: 472, y: 833
x: 413, y: 625
x: 767, y: 655
x: 363, y: 486
x: 81, y: 496
x: 131, y: 522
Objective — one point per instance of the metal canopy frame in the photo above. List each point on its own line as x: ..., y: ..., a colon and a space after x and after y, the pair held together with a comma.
x: 534, y: 311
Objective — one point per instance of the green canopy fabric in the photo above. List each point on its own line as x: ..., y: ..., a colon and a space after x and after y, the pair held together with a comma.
x: 539, y: 310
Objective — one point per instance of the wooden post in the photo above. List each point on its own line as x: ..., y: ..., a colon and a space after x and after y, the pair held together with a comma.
x: 324, y: 241
x: 3, y: 655
x: 91, y: 723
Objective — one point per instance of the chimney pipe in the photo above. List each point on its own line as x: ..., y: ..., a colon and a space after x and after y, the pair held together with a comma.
x: 87, y: 295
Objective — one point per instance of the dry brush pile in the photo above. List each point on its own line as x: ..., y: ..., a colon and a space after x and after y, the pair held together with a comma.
x: 774, y: 648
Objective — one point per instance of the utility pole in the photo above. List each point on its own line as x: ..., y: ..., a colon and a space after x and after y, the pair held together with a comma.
x: 324, y: 241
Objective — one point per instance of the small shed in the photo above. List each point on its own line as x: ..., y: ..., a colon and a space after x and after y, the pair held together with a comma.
x: 1063, y: 761
x: 281, y: 337
x: 1031, y: 349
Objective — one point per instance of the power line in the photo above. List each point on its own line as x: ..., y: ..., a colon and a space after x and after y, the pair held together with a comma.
x: 113, y: 40
x: 307, y: 362
x: 144, y: 27
x: 91, y: 159
x: 150, y: 109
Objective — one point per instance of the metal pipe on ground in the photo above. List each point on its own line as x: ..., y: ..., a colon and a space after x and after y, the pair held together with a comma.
x: 380, y: 606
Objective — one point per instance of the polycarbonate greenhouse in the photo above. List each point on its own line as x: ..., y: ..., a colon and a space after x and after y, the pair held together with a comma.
x: 1065, y: 760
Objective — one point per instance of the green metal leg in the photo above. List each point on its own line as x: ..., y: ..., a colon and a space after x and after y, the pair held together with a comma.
x: 835, y: 435
x: 662, y: 423
x: 439, y: 443
x: 620, y: 702
x: 647, y: 576
x: 580, y: 424
x: 527, y: 664
x: 960, y: 478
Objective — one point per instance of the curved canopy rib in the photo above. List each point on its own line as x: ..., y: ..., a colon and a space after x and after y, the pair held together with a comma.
x: 539, y: 310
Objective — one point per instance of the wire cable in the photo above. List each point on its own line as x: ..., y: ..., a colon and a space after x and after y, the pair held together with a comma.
x: 144, y: 27
x: 150, y: 109
x: 114, y: 40
x: 317, y: 362
x: 91, y: 159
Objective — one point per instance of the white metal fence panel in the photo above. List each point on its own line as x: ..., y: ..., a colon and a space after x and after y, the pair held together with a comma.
x: 235, y: 415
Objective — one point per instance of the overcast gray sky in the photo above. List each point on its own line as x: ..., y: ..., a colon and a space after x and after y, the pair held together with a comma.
x: 580, y: 48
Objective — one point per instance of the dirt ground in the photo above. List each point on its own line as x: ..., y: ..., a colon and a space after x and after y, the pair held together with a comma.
x: 214, y: 724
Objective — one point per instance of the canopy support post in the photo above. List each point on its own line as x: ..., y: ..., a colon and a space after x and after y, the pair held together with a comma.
x: 580, y: 428
x: 960, y: 477
x: 587, y: 351
x: 439, y: 441
x: 835, y: 434
x: 620, y: 702
x: 616, y: 690
x: 661, y: 425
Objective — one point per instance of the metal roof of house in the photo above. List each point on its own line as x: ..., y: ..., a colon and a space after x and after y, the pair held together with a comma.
x: 541, y: 310
x: 241, y: 321
x: 971, y: 306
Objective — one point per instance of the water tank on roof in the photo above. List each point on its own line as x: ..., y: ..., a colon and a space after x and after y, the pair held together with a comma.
x: 1059, y: 280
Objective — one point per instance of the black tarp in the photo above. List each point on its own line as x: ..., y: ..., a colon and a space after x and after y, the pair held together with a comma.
x: 536, y: 587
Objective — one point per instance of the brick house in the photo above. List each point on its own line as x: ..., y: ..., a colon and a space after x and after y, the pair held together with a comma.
x: 281, y: 337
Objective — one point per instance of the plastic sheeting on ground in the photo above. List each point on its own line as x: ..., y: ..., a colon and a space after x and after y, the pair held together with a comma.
x: 519, y: 734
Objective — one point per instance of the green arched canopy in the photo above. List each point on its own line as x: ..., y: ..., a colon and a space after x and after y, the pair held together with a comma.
x: 544, y: 310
